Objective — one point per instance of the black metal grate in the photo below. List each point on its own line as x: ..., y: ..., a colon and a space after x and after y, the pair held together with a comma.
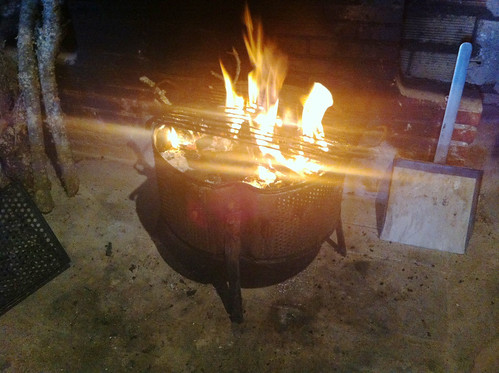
x: 30, y: 254
x: 217, y: 123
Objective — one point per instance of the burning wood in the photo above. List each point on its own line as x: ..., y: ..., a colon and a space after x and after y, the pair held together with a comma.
x: 258, y: 139
x: 160, y: 93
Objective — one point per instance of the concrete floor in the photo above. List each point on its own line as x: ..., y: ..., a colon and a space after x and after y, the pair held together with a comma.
x: 385, y: 307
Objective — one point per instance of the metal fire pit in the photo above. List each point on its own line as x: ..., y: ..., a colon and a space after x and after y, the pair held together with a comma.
x: 244, y: 225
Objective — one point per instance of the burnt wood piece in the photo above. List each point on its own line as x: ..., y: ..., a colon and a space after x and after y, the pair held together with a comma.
x: 232, y: 249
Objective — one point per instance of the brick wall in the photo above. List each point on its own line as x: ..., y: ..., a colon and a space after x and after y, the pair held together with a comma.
x: 353, y: 46
x: 319, y: 36
x: 325, y: 39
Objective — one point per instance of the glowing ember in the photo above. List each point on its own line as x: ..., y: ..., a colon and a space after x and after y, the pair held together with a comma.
x: 266, y: 174
x: 177, y: 140
x: 172, y: 137
x: 260, y: 110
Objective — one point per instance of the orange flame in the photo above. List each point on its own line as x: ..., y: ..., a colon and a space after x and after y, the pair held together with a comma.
x: 269, y: 65
x: 261, y: 110
x: 234, y: 104
x: 316, y: 104
x: 172, y: 137
x: 261, y: 107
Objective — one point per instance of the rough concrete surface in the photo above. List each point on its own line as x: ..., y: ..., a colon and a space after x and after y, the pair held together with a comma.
x: 383, y: 307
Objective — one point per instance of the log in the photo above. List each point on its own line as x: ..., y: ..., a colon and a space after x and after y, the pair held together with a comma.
x: 15, y: 159
x: 48, y: 42
x: 9, y: 92
x: 30, y: 91
x: 14, y: 149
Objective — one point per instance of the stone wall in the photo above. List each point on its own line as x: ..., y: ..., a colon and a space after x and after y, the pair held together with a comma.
x: 433, y: 31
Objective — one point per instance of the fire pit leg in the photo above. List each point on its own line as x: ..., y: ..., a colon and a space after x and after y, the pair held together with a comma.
x: 340, y: 246
x: 232, y: 255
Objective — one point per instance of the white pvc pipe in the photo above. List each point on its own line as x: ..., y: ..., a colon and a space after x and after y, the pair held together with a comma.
x: 456, y: 91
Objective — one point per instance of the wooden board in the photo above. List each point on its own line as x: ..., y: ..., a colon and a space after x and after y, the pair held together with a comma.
x: 431, y: 205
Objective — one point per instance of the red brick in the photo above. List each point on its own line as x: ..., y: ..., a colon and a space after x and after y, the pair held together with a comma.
x: 379, y: 32
x: 466, y: 155
x: 344, y: 30
x: 365, y: 13
x: 302, y: 27
x: 464, y: 133
x: 367, y: 50
x: 466, y: 117
x: 292, y: 45
x: 411, y: 109
x: 323, y: 48
x: 311, y: 66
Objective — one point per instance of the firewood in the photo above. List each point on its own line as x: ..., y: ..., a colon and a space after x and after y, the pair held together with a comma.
x: 30, y: 90
x: 14, y: 149
x: 47, y: 45
x: 158, y: 92
x: 15, y: 158
x: 23, y: 154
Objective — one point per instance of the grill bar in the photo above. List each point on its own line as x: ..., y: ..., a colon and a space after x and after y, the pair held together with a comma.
x: 217, y: 124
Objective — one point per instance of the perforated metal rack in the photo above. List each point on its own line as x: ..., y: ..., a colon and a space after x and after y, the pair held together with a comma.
x: 30, y: 254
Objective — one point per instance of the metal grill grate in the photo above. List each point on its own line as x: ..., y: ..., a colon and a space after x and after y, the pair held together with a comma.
x: 217, y: 123
x: 30, y: 254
